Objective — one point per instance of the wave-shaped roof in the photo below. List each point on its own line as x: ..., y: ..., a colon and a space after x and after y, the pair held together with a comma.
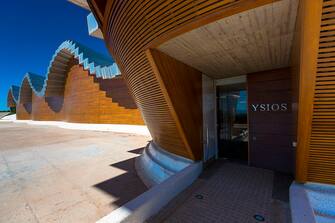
x: 30, y: 82
x: 15, y: 91
x: 36, y: 81
x: 97, y: 64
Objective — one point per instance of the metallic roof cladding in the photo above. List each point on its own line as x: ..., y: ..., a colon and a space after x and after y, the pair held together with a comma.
x: 93, y: 26
x: 15, y: 91
x: 97, y: 64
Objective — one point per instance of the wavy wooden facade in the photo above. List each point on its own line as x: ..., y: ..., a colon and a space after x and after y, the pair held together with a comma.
x: 131, y: 28
x: 12, y: 97
x: 10, y: 100
x: 91, y: 100
x: 80, y: 86
x: 86, y: 99
x: 23, y: 111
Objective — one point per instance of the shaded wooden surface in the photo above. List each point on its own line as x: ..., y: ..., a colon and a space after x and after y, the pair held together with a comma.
x: 85, y: 99
x: 313, y: 65
x: 304, y: 64
x: 10, y: 99
x: 183, y: 93
x: 59, y: 69
x: 132, y: 27
x: 23, y: 111
x: 25, y: 92
x: 42, y: 112
x: 271, y: 133
x: 321, y: 156
x: 252, y: 41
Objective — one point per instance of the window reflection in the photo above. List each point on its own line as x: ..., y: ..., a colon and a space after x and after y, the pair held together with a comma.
x: 232, y: 123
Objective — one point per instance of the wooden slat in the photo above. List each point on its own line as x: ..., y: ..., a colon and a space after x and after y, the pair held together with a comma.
x: 131, y: 27
x: 306, y: 54
x: 328, y: 3
x: 321, y: 164
x: 174, y: 88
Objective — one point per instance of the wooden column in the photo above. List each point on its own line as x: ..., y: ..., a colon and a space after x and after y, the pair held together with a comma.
x: 305, y: 66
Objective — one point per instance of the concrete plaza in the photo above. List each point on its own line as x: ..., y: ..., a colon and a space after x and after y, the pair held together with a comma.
x: 49, y: 174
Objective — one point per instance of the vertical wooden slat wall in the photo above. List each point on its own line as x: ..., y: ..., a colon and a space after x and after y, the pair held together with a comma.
x: 132, y: 27
x: 321, y: 161
x: 314, y: 67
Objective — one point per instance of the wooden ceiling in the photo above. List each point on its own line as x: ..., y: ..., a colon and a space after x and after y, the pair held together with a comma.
x: 255, y: 40
x: 81, y: 3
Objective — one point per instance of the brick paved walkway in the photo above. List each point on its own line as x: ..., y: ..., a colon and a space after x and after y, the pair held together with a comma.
x: 229, y: 193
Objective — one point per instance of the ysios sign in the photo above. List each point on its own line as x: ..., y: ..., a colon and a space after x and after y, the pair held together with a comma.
x: 269, y: 107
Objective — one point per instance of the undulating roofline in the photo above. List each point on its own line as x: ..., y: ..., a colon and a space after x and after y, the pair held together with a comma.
x: 15, y: 91
x: 97, y: 64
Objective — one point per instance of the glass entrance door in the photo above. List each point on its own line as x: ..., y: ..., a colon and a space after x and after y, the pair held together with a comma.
x: 232, y: 124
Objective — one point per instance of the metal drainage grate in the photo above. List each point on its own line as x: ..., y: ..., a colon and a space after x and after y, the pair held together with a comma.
x: 259, y: 218
x: 199, y: 196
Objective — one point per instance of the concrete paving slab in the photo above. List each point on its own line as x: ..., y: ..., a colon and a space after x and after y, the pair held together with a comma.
x: 50, y: 174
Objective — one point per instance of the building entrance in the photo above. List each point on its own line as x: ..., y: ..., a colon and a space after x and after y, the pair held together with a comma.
x: 232, y: 122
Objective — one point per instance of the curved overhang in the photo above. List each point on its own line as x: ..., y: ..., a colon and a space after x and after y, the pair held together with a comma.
x: 157, y: 79
x: 68, y: 54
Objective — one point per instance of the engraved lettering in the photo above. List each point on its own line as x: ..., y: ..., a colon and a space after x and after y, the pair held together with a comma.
x: 254, y: 107
x: 275, y: 107
x: 283, y: 107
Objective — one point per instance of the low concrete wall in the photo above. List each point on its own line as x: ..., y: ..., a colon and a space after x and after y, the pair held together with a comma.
x: 3, y: 114
x: 301, y: 211
x: 312, y: 202
x: 150, y: 202
x: 120, y: 128
x: 155, y: 165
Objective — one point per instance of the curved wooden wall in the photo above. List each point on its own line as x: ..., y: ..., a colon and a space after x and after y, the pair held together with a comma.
x: 60, y: 67
x: 132, y: 27
x: 313, y: 67
x: 321, y: 160
x: 23, y: 111
x: 316, y: 123
x: 26, y: 92
x: 24, y: 105
x: 85, y: 99
x: 184, y: 98
x: 42, y: 111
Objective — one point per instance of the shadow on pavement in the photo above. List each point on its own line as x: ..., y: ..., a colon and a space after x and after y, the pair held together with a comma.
x: 126, y: 186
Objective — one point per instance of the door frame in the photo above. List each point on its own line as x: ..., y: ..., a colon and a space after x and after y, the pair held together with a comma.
x: 225, y: 82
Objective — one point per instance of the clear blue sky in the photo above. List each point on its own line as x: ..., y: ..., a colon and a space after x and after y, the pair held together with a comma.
x: 31, y: 30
